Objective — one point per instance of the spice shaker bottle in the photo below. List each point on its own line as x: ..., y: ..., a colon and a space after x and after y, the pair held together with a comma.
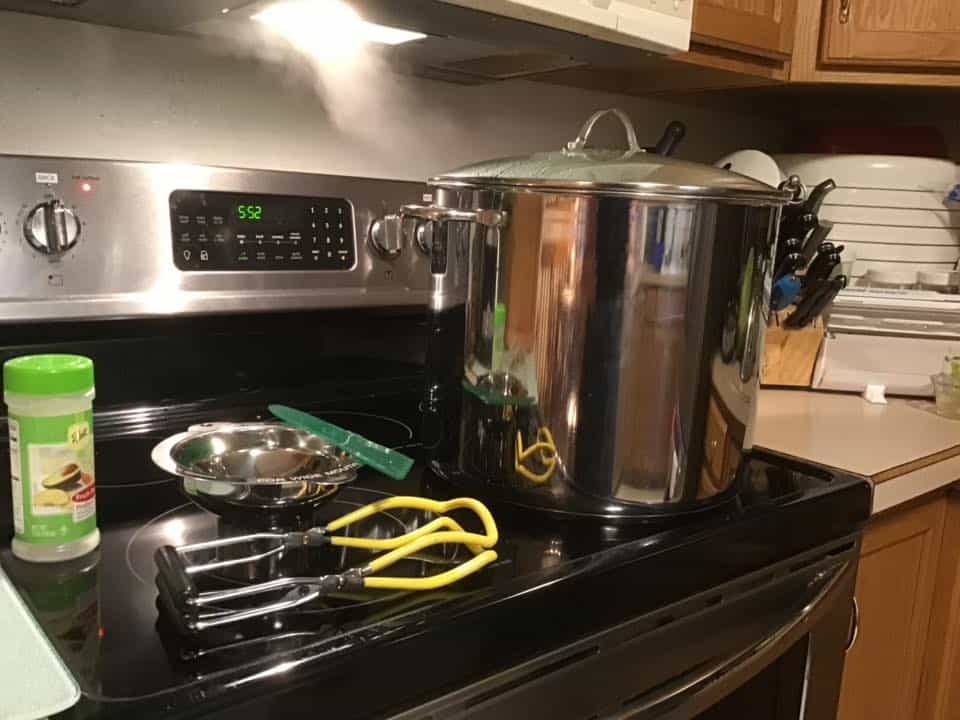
x: 50, y: 409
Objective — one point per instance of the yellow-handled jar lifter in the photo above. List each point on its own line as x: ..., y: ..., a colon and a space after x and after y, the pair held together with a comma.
x: 195, y: 611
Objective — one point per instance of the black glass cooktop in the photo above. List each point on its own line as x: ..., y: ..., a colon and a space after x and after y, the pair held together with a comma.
x: 554, y: 580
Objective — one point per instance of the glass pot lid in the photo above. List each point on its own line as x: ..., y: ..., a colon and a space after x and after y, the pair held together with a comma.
x: 633, y: 172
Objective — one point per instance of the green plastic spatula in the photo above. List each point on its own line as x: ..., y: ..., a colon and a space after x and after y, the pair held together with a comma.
x: 366, y: 452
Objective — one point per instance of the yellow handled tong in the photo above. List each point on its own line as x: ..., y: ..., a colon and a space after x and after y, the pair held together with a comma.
x: 543, y: 450
x: 439, y: 531
x: 177, y: 571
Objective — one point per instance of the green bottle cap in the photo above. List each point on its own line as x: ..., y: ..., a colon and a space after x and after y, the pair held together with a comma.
x: 48, y: 375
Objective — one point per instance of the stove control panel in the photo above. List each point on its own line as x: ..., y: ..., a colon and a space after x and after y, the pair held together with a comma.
x: 106, y: 239
x: 226, y: 231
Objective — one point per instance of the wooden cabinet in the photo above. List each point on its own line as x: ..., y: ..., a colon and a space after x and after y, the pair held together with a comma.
x: 916, y: 33
x: 887, y: 42
x: 763, y: 27
x: 745, y: 43
x: 940, y: 689
x: 894, y: 592
x: 734, y: 43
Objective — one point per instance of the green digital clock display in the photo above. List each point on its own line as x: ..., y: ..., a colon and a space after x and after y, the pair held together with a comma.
x: 250, y: 213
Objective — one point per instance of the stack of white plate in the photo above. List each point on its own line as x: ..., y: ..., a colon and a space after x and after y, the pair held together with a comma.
x: 891, y: 213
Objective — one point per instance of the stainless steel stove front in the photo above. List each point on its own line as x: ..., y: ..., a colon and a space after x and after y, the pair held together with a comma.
x: 94, y: 239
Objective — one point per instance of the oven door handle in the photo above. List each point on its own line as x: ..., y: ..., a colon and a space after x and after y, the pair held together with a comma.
x: 706, y: 685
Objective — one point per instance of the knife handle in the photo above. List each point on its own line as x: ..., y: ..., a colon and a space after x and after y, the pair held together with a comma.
x: 672, y: 135
x: 827, y: 297
x: 821, y: 267
x: 816, y: 238
x: 787, y: 247
x: 784, y: 292
x: 816, y: 197
x: 815, y: 302
x: 789, y: 264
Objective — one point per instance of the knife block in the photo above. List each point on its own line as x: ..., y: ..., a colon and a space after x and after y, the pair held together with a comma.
x: 789, y: 356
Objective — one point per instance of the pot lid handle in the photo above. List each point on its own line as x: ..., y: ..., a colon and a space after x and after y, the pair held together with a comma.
x: 577, y: 146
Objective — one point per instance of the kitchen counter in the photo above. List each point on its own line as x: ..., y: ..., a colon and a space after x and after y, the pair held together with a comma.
x: 904, y: 447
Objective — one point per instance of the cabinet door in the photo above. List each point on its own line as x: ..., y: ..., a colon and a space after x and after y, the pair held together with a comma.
x: 754, y: 26
x: 895, y: 586
x: 903, y: 33
x: 940, y: 689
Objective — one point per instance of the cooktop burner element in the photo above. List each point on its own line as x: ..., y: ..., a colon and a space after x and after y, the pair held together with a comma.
x: 387, y: 431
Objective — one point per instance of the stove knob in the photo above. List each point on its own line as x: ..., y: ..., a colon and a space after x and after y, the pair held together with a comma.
x: 52, y: 228
x: 386, y: 236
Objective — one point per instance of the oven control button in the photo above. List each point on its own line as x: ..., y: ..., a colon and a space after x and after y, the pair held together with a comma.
x: 386, y: 236
x: 52, y: 228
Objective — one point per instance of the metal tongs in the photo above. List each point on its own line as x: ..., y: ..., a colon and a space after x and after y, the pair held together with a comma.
x: 196, y: 611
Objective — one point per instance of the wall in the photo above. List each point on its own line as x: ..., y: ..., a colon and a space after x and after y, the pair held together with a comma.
x: 81, y: 90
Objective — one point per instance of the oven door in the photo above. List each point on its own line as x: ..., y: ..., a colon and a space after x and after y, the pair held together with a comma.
x: 768, y: 646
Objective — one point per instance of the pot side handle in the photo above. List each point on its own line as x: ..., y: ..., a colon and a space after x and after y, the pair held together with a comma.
x: 430, y: 213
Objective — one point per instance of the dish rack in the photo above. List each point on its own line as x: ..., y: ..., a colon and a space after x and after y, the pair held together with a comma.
x: 899, y: 220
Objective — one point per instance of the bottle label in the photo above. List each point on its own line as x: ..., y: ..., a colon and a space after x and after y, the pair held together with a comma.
x: 54, y: 492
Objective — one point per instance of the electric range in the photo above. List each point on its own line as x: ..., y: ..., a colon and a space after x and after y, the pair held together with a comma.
x: 741, y: 608
x: 554, y: 582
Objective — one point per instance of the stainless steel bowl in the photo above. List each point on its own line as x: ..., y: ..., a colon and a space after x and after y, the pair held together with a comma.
x: 228, y: 498
x: 261, y: 453
x: 255, y: 466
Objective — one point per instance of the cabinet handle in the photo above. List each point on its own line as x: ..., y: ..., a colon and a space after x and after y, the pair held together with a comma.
x: 844, y: 11
x: 854, y: 627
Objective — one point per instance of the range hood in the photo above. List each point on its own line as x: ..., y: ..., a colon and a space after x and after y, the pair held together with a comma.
x: 467, y: 41
x: 662, y: 27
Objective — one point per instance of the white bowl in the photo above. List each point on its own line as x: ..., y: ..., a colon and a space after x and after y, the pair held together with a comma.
x: 754, y: 164
x: 890, y: 172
